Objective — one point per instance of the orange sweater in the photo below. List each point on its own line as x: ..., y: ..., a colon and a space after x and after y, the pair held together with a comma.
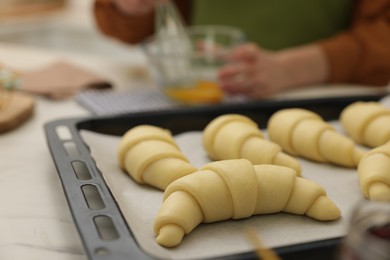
x: 360, y: 55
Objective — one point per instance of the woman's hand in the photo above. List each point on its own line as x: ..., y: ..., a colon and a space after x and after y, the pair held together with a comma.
x: 258, y: 73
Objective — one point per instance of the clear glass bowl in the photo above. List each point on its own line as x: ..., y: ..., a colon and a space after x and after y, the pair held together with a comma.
x: 188, y: 72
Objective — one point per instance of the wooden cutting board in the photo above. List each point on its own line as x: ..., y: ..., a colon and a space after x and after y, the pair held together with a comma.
x: 15, y: 109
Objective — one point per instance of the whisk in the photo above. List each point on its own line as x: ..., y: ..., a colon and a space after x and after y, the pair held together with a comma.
x: 173, y: 43
x: 169, y: 24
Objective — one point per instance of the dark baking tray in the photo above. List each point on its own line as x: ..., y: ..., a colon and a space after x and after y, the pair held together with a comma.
x: 72, y: 158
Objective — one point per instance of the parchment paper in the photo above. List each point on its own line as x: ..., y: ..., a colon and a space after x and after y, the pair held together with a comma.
x: 139, y: 205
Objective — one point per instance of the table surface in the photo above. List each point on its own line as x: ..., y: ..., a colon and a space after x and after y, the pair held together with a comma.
x: 35, y: 221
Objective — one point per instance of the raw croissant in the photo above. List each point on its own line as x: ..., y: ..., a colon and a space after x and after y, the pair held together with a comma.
x: 303, y: 133
x: 367, y: 123
x: 150, y: 155
x: 234, y: 189
x: 374, y: 173
x: 234, y: 136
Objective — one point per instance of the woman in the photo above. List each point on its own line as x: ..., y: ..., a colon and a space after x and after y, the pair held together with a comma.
x: 294, y: 43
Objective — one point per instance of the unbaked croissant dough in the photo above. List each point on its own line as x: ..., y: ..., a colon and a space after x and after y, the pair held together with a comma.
x: 304, y: 133
x: 374, y: 173
x: 367, y: 123
x: 150, y: 155
x: 234, y: 136
x: 235, y: 189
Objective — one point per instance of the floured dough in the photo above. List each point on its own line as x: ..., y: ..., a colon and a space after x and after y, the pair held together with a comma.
x: 235, y: 189
x: 374, y: 173
x: 304, y: 133
x: 150, y: 155
x: 234, y: 136
x: 367, y: 123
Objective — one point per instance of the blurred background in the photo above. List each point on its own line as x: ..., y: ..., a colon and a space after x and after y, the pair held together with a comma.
x: 63, y: 25
x: 68, y: 26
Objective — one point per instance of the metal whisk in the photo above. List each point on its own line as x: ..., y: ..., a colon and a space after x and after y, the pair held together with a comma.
x: 173, y: 43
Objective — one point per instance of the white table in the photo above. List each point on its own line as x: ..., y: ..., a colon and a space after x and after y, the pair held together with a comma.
x: 35, y: 221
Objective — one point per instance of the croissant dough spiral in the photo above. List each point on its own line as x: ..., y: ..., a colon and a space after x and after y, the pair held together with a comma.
x: 234, y: 136
x: 367, y: 123
x: 304, y: 133
x: 374, y: 173
x: 235, y: 189
x: 150, y: 155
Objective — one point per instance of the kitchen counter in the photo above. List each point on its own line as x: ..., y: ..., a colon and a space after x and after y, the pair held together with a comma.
x: 35, y: 218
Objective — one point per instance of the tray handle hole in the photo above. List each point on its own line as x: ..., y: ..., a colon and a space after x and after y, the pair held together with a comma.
x: 105, y: 228
x: 63, y: 132
x: 102, y: 251
x: 92, y: 197
x: 81, y: 170
x: 71, y: 149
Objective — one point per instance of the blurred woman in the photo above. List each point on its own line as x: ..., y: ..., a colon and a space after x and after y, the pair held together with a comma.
x: 292, y: 43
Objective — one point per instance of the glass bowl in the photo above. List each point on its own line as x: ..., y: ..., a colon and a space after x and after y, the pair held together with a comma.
x: 186, y: 69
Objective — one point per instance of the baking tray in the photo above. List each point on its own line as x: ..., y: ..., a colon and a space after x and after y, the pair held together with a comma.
x: 77, y: 170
